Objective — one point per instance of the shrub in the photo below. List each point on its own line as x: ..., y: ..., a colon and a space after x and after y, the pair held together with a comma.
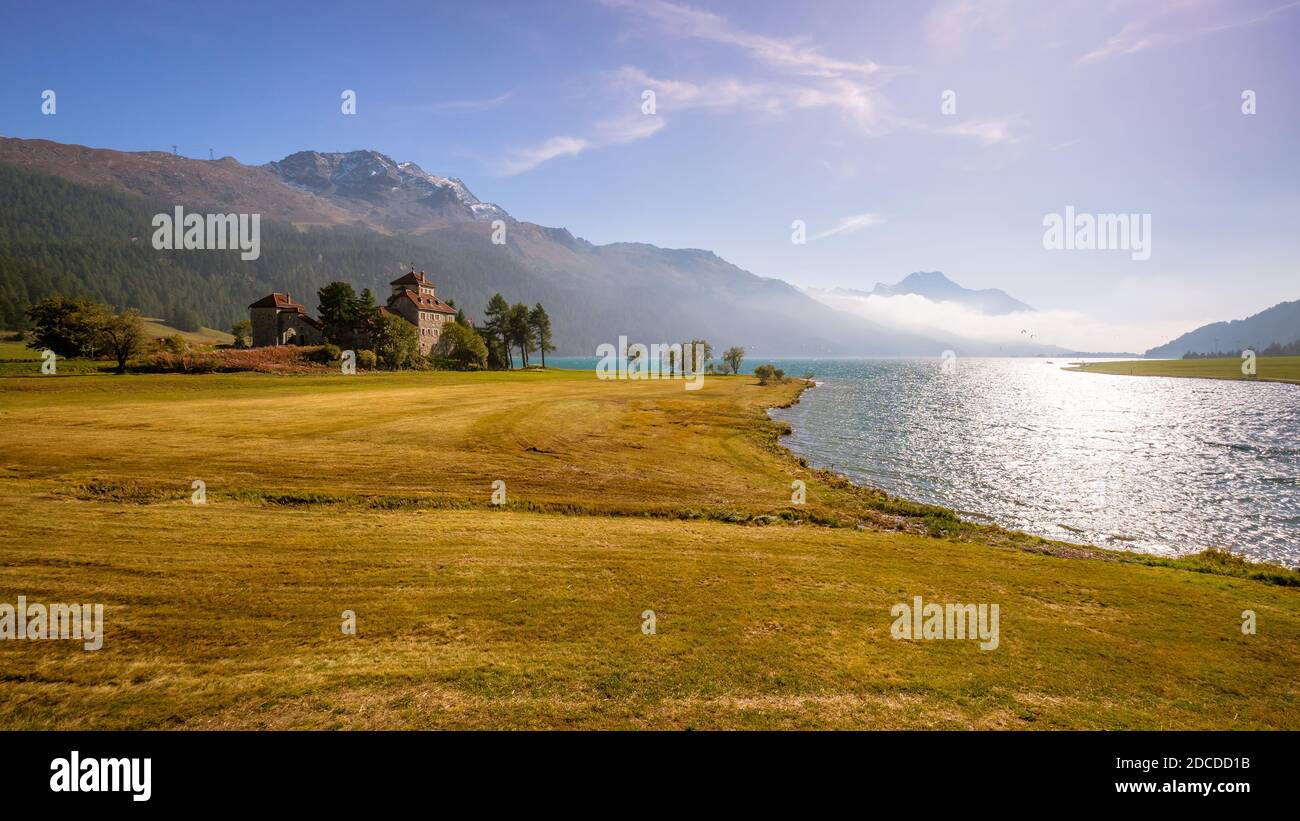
x: 175, y: 343
x: 397, y: 345
x: 325, y: 354
x: 769, y: 373
x: 366, y: 360
x: 460, y: 348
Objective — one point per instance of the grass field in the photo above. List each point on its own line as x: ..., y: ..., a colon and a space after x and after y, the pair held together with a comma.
x: 201, y: 337
x: 372, y: 494
x: 1267, y: 368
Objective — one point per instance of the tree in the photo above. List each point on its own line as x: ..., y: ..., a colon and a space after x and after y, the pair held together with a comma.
x: 60, y: 324
x: 188, y: 319
x: 520, y: 330
x: 243, y: 333
x: 396, y: 343
x: 367, y: 312
x: 343, y: 312
x: 541, y: 324
x: 496, y: 322
x: 704, y: 352
x: 120, y: 335
x: 734, y: 356
x: 461, y: 347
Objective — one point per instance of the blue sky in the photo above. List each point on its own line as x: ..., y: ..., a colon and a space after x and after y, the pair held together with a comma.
x: 765, y: 113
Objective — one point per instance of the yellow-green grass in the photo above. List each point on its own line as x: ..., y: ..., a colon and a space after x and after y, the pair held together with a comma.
x: 1267, y: 368
x: 372, y: 494
x: 14, y: 349
x: 17, y: 359
x: 201, y: 337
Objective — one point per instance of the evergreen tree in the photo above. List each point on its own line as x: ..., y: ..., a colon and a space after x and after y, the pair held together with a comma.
x: 541, y: 324
x: 520, y: 330
x: 496, y: 329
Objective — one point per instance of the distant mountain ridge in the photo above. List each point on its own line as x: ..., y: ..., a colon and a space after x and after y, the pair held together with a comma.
x: 1280, y: 324
x: 935, y: 286
x: 413, y: 199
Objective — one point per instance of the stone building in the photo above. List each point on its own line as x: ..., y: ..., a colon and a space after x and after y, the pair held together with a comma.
x: 413, y: 298
x: 278, y: 320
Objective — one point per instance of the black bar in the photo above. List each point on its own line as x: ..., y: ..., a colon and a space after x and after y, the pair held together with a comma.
x: 211, y: 770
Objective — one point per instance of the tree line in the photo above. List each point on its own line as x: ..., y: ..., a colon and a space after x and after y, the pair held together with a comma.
x: 353, y: 319
x: 1276, y: 349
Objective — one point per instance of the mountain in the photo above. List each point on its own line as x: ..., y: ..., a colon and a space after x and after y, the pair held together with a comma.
x: 404, y: 197
x: 1279, y: 324
x: 933, y: 285
x: 77, y: 220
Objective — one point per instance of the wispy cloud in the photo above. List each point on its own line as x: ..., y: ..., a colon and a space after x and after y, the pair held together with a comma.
x: 989, y: 131
x: 524, y: 159
x: 467, y: 105
x: 792, y: 55
x: 607, y: 132
x: 850, y: 225
x: 952, y: 27
x: 1165, y: 29
x: 800, y: 76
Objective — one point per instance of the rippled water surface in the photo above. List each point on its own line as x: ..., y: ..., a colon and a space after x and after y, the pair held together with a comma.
x: 1151, y: 463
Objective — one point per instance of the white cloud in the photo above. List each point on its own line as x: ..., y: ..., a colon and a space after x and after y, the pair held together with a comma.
x: 953, y: 27
x: 607, y: 132
x: 524, y: 159
x: 807, y: 79
x: 468, y: 105
x: 850, y: 225
x: 1165, y: 29
x: 791, y: 55
x: 1073, y: 330
x: 990, y: 131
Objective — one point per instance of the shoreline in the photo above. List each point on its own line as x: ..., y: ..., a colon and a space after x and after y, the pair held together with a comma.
x: 1063, y: 547
x: 1222, y: 369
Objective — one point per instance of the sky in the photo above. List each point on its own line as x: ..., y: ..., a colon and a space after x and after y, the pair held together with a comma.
x: 901, y: 136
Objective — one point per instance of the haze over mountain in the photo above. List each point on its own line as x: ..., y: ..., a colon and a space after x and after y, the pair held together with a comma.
x: 1279, y: 324
x: 933, y: 285
x: 986, y: 322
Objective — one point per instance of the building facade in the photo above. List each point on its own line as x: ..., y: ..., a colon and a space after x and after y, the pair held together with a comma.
x: 414, y: 299
x: 278, y: 320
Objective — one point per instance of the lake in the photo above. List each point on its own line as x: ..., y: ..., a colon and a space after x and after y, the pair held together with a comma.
x: 1155, y: 464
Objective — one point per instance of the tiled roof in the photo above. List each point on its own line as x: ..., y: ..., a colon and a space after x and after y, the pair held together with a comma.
x: 413, y: 278
x: 281, y: 301
x: 426, y: 303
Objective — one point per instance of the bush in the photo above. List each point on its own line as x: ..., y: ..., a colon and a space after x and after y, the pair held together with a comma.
x: 769, y: 373
x: 366, y: 360
x: 325, y: 354
x: 459, y: 348
x: 188, y: 319
x: 175, y: 343
x: 397, y: 345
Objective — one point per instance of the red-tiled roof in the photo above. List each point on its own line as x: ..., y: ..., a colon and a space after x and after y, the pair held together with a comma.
x: 282, y: 301
x: 425, y: 303
x: 413, y: 278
